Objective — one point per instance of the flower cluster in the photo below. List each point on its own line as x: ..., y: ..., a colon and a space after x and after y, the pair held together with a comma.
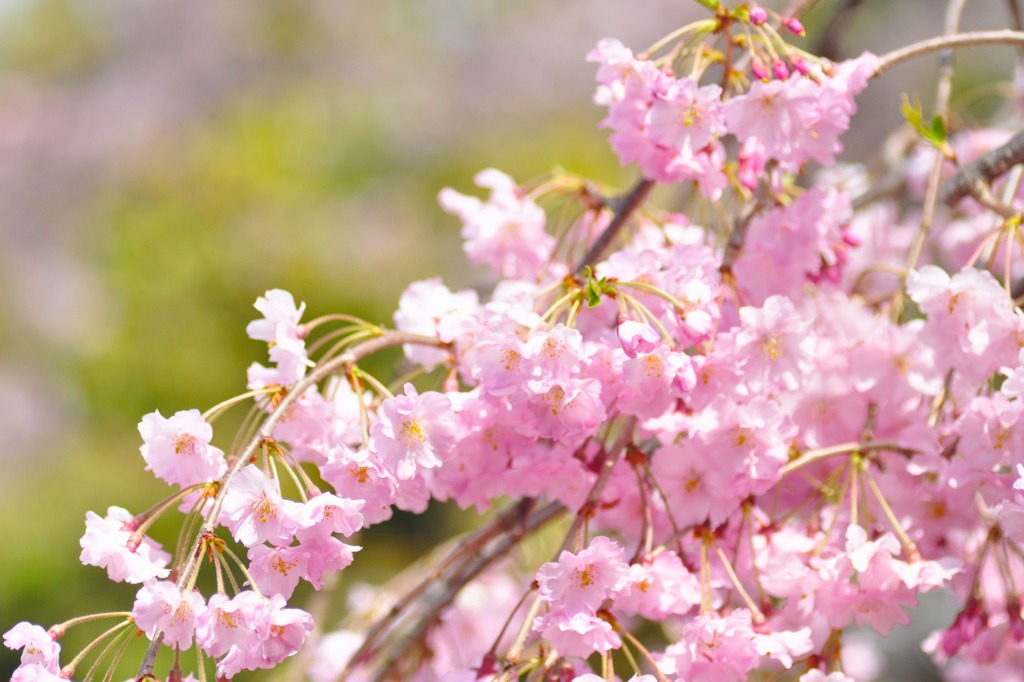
x: 751, y: 439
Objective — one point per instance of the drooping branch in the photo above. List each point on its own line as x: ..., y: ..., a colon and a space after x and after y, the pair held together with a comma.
x: 495, y: 550
x: 924, y: 47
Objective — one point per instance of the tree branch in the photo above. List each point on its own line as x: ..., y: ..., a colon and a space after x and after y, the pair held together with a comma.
x: 984, y: 169
x: 972, y: 39
x: 625, y: 206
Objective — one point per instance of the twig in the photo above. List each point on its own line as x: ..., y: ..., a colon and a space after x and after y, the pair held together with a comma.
x: 971, y: 39
x: 982, y: 193
x: 843, y: 448
x: 931, y: 193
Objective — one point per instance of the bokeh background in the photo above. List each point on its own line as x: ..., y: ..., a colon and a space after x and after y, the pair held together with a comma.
x: 163, y: 163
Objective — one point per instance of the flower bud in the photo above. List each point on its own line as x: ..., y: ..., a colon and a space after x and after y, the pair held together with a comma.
x: 779, y: 69
x: 758, y: 70
x: 758, y: 15
x: 794, y: 26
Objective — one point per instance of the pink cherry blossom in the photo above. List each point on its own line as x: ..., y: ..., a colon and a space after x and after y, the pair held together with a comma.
x: 507, y: 231
x: 429, y: 308
x: 637, y: 338
x: 255, y: 512
x: 34, y: 672
x: 416, y: 431
x: 106, y: 544
x: 280, y: 325
x: 229, y: 623
x: 581, y: 581
x: 161, y: 607
x: 38, y: 647
x: 178, y: 450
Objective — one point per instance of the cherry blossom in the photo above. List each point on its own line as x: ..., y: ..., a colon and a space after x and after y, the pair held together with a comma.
x: 177, y: 449
x: 108, y: 543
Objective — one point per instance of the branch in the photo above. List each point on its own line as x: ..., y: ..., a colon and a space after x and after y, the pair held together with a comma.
x: 972, y: 39
x: 841, y: 449
x: 984, y: 169
x: 478, y: 562
x: 463, y: 552
x: 625, y: 207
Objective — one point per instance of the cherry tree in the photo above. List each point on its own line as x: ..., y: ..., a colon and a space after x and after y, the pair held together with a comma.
x: 790, y: 408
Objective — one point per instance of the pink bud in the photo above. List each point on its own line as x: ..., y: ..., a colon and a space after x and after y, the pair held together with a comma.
x: 780, y: 70
x: 758, y: 70
x: 799, y: 64
x: 637, y: 338
x: 850, y: 238
x: 794, y: 26
x: 758, y: 15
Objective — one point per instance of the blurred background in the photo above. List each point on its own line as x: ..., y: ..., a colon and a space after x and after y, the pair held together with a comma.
x: 162, y: 164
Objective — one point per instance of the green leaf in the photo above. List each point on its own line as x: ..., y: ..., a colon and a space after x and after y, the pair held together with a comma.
x: 912, y: 112
x: 938, y: 129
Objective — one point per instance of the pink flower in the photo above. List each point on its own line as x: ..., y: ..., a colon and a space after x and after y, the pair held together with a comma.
x: 506, y: 232
x: 327, y: 513
x: 354, y: 474
x: 577, y: 634
x: 659, y: 587
x: 160, y: 606
x: 38, y: 647
x: 282, y: 632
x: 178, y: 450
x: 414, y: 432
x: 227, y: 624
x: 251, y: 632
x: 714, y: 648
x: 687, y: 116
x: 277, y: 570
x: 582, y: 581
x: 280, y: 324
x: 255, y: 512
x: 34, y: 672
x: 429, y: 308
x: 637, y: 338
x: 105, y: 544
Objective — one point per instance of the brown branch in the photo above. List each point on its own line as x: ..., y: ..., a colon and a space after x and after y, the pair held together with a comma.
x: 971, y: 39
x: 984, y: 169
x: 463, y: 552
x: 624, y: 208
x: 454, y: 584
